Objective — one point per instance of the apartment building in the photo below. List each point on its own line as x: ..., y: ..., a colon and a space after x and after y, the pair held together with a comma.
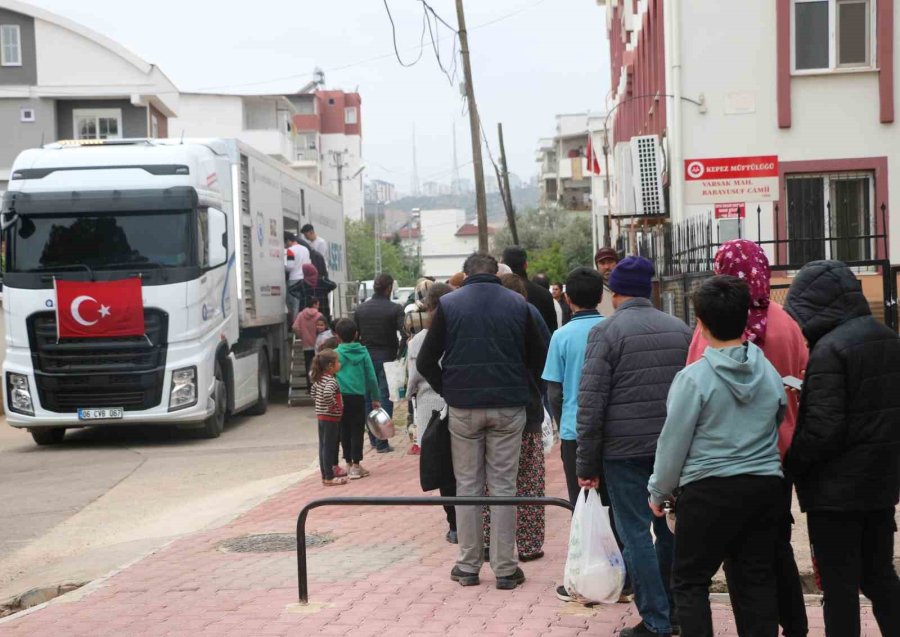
x: 61, y: 80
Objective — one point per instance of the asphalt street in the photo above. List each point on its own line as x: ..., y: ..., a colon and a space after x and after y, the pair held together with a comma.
x: 108, y: 495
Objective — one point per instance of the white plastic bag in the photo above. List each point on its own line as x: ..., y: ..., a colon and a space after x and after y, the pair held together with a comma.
x: 595, y: 570
x: 547, y: 438
x: 395, y: 373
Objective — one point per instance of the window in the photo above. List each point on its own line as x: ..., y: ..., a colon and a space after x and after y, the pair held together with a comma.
x: 830, y: 216
x: 350, y: 115
x: 10, y: 45
x: 833, y: 34
x: 104, y: 123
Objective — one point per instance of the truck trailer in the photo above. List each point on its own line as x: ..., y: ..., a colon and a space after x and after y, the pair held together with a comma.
x: 199, y: 226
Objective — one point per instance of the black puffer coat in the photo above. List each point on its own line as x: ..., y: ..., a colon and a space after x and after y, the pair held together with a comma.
x: 846, y: 449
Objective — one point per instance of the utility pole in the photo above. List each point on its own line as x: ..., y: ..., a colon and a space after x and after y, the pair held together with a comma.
x: 474, y: 125
x: 506, y: 192
x: 338, y: 158
x: 379, y: 208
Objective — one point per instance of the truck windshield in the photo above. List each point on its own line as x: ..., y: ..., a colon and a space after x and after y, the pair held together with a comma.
x: 45, y: 242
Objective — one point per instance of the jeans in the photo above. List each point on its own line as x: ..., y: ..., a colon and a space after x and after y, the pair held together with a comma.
x: 485, y: 444
x: 650, y: 566
x: 384, y: 397
x: 855, y: 552
x: 735, y: 519
x: 329, y: 436
x: 352, y: 424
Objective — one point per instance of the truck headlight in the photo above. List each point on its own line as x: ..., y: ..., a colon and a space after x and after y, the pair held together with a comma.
x: 183, y: 392
x: 19, y: 393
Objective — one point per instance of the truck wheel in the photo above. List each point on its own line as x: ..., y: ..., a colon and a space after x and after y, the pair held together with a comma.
x: 264, y: 385
x: 52, y: 436
x: 215, y: 424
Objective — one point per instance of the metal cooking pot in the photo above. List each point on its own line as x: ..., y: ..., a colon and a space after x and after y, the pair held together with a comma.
x: 380, y: 424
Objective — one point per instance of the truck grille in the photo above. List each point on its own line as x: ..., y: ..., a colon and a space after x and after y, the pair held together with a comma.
x: 94, y: 372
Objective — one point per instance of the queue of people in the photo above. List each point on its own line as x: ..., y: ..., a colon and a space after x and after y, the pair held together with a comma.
x: 660, y: 418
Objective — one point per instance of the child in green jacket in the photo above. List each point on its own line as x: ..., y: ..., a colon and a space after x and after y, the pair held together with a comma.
x: 356, y: 377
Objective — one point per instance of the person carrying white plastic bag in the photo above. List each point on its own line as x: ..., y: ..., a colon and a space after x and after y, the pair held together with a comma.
x: 595, y: 570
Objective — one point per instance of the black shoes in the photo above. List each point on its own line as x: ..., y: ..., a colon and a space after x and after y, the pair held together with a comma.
x: 511, y: 581
x: 452, y: 538
x: 641, y: 630
x: 465, y: 579
x: 563, y: 595
x: 530, y: 557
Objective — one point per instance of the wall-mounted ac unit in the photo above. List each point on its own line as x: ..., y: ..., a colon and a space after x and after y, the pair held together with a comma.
x: 647, y: 174
x: 624, y: 190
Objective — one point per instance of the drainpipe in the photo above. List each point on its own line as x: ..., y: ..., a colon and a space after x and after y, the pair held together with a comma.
x: 676, y: 170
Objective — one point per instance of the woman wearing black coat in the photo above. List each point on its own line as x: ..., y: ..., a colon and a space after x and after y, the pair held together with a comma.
x: 846, y: 450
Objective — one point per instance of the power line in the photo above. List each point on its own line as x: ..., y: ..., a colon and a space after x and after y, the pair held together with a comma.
x: 425, y: 21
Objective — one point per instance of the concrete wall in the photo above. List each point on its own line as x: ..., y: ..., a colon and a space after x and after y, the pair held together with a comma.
x: 134, y: 118
x: 26, y: 74
x: 18, y: 135
x: 208, y: 116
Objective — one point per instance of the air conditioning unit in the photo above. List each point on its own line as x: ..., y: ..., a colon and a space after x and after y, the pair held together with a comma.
x: 624, y: 180
x: 647, y: 174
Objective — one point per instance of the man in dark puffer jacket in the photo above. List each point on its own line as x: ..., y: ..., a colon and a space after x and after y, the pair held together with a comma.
x: 846, y: 449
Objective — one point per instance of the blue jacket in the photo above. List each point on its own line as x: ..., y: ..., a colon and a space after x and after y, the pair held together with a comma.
x: 492, y: 351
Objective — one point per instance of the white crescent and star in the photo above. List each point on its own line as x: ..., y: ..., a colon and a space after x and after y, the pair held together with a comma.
x: 75, y: 309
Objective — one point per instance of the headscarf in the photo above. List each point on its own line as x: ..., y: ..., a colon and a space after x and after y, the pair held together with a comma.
x: 310, y: 274
x: 456, y: 280
x: 422, y: 288
x: 746, y: 260
x: 502, y: 269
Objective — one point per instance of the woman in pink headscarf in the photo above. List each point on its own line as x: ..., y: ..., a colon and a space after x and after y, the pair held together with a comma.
x: 778, y: 335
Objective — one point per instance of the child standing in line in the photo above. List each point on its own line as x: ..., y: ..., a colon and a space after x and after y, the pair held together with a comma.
x: 305, y: 328
x: 329, y: 409
x: 356, y: 377
x: 323, y: 333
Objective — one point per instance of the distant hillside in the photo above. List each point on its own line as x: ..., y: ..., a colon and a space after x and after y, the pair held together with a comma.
x: 523, y: 199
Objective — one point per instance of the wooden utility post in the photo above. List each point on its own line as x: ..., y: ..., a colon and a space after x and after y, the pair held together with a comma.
x: 507, y: 193
x: 474, y: 125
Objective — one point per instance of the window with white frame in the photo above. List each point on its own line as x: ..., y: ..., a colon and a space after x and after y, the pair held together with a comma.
x: 833, y: 35
x: 830, y: 216
x: 101, y: 123
x: 10, y: 45
x: 350, y: 115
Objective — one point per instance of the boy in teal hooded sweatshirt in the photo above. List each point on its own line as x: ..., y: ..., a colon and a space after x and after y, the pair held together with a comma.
x: 718, y: 453
x: 355, y: 378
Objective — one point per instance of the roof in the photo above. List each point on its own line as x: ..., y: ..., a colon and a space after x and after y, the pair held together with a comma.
x: 471, y: 230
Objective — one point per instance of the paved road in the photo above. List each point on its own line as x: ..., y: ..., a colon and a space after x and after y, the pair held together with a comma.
x: 106, y: 496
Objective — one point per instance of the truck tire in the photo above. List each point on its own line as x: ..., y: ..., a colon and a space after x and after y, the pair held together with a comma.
x: 264, y: 384
x: 52, y: 436
x: 215, y: 424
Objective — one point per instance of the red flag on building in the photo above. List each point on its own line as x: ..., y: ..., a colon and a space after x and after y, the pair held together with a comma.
x: 99, y: 309
x: 593, y: 164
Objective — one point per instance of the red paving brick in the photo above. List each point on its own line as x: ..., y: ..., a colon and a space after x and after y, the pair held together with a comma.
x: 385, y: 574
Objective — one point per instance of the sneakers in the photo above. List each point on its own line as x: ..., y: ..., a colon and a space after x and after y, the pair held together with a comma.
x: 465, y: 579
x: 452, y: 537
x: 641, y: 630
x: 363, y: 473
x: 335, y: 481
x: 339, y: 471
x: 355, y: 472
x: 563, y: 595
x: 414, y: 450
x: 387, y: 449
x: 511, y: 581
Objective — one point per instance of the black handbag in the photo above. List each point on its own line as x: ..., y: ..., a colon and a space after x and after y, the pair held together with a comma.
x: 435, y: 459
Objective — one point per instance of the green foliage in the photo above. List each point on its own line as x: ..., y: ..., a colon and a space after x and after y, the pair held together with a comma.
x: 395, y: 260
x: 557, y: 242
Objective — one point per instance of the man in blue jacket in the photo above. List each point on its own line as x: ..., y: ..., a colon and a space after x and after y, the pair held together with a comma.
x: 483, y: 354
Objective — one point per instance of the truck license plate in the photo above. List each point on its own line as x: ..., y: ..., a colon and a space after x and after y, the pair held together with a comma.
x: 109, y: 413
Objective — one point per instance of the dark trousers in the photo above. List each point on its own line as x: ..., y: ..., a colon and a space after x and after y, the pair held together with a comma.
x: 384, y: 397
x: 450, y: 492
x: 353, y: 422
x: 329, y: 436
x: 308, y: 355
x: 791, y: 606
x: 855, y: 552
x: 733, y: 519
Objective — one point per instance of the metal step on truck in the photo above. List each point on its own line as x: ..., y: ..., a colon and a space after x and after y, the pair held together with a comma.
x: 198, y: 225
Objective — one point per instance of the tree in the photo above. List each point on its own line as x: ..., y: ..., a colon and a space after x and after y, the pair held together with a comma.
x: 395, y: 259
x: 557, y: 242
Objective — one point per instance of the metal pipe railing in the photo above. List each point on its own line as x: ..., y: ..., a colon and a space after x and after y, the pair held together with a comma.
x: 303, y: 581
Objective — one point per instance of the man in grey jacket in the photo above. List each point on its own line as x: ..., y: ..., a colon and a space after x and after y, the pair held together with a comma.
x: 631, y: 359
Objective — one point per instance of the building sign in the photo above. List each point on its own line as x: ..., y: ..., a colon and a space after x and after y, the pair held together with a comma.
x: 726, y: 179
x: 730, y: 210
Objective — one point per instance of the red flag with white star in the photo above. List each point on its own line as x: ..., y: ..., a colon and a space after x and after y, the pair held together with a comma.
x: 99, y: 309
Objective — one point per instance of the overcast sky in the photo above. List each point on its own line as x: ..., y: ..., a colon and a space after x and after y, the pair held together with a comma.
x: 541, y: 58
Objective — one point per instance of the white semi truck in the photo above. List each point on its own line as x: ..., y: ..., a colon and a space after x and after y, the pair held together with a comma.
x: 201, y: 222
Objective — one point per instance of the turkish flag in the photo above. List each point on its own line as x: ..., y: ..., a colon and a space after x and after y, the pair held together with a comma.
x: 99, y: 309
x: 593, y: 164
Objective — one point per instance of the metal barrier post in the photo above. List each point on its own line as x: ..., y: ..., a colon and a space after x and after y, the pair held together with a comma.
x: 303, y: 583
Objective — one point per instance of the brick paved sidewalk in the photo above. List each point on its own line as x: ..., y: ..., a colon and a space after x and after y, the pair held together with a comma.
x: 385, y: 573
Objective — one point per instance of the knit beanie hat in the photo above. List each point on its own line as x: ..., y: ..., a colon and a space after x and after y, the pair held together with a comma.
x: 632, y: 277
